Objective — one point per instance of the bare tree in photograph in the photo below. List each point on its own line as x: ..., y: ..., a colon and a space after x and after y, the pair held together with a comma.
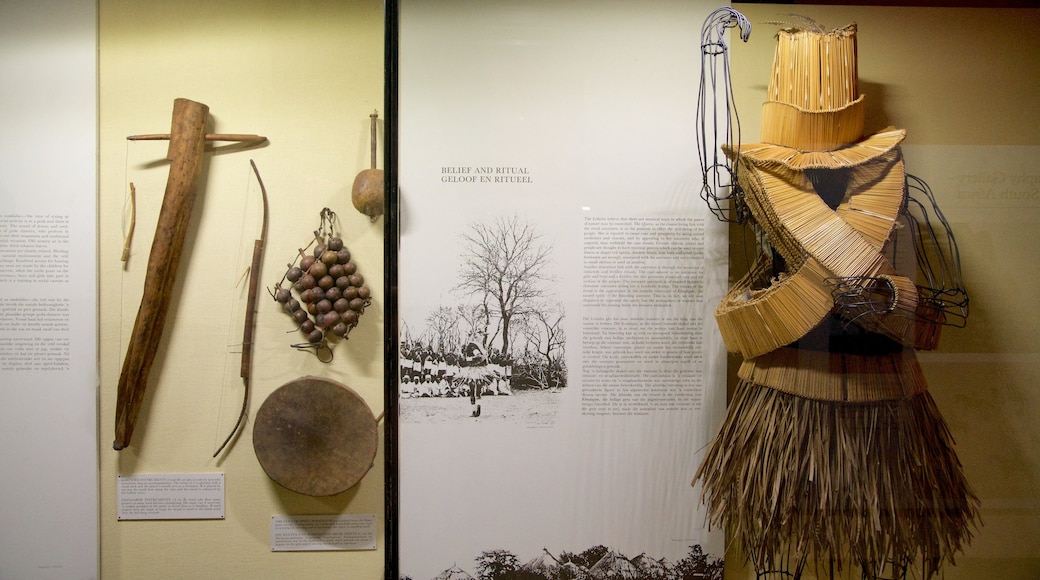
x: 476, y: 318
x: 442, y: 324
x: 543, y: 330
x: 505, y: 263
x: 405, y: 332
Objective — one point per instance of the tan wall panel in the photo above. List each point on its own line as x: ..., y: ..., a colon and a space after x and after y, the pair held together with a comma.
x: 307, y: 75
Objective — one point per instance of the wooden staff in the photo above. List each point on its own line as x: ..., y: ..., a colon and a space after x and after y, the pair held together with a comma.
x: 187, y: 140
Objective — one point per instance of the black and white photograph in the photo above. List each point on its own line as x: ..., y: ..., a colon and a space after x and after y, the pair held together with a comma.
x: 499, y: 343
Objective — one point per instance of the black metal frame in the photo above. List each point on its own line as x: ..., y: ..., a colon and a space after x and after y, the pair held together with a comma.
x: 390, y: 237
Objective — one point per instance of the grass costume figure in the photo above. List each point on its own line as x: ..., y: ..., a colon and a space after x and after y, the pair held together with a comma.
x: 832, y: 450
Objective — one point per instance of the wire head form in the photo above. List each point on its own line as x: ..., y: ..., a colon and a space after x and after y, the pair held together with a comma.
x: 717, y: 119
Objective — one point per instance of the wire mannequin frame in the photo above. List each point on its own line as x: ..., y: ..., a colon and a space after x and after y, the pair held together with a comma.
x: 792, y: 566
x: 938, y: 258
x: 717, y: 117
x: 786, y: 566
x: 942, y: 297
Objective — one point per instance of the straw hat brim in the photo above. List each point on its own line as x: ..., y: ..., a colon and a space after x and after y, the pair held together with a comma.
x: 863, y: 151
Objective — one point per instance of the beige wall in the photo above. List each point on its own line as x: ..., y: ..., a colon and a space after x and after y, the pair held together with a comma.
x: 961, y: 81
x: 306, y: 74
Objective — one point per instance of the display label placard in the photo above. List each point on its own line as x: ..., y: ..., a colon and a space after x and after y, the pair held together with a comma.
x: 170, y: 496
x: 323, y: 532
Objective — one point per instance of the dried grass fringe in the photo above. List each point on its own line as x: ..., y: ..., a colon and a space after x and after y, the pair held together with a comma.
x: 794, y: 479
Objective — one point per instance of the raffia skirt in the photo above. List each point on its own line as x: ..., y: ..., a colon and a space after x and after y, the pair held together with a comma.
x: 476, y: 377
x: 864, y: 482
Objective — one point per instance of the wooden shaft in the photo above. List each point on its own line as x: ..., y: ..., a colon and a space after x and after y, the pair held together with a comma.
x: 187, y: 141
x: 254, y: 286
x: 248, y: 138
x: 374, y: 116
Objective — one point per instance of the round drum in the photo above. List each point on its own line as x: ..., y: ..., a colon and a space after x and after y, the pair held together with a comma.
x: 315, y: 436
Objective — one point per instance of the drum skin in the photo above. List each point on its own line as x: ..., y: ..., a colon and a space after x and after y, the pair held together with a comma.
x: 315, y: 436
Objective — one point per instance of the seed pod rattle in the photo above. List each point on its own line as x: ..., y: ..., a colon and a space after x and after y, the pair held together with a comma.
x: 322, y: 290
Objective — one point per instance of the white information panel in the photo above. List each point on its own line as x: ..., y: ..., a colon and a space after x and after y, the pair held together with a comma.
x: 560, y: 369
x: 48, y: 289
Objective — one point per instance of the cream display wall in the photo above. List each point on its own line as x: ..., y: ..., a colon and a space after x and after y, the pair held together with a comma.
x: 307, y: 75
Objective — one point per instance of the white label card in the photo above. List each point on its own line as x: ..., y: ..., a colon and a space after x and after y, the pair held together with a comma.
x: 323, y: 532
x: 170, y: 496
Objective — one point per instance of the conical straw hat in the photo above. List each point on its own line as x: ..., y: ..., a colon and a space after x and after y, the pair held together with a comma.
x: 814, y: 115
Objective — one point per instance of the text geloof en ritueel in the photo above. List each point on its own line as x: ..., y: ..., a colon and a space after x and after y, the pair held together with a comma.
x: 487, y: 174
